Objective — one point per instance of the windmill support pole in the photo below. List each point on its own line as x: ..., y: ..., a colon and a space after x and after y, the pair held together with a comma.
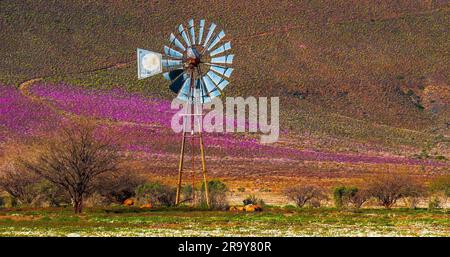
x: 180, y: 169
x: 202, y: 152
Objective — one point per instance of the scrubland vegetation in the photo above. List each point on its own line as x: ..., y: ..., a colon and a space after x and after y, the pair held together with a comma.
x: 80, y: 169
x: 149, y: 211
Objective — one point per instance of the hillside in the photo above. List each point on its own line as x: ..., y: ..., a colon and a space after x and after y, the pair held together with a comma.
x: 347, y: 72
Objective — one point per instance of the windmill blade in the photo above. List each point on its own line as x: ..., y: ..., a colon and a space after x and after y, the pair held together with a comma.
x: 221, y: 49
x: 210, y: 87
x: 183, y: 97
x: 226, y: 59
x: 224, y: 71
x: 216, y: 39
x: 192, y: 30
x: 167, y: 63
x: 178, y: 83
x: 196, y: 96
x: 184, y: 34
x: 201, y: 97
x: 201, y: 29
x: 205, y: 98
x: 214, y: 93
x: 171, y: 75
x: 183, y: 94
x: 174, y: 41
x: 172, y: 53
x: 210, y: 32
x: 220, y: 82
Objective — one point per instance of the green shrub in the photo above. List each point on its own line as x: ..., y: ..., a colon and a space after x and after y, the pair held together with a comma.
x: 155, y: 193
x: 441, y: 185
x: 217, y: 191
x: 186, y: 193
x: 341, y: 195
x: 51, y: 195
x: 349, y: 197
x: 252, y: 199
x: 241, y: 189
x: 10, y: 201
x: 434, y: 204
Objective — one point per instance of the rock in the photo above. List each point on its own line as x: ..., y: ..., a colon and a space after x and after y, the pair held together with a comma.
x: 247, y: 208
x: 128, y: 202
x: 148, y: 206
x: 252, y: 208
x: 233, y: 208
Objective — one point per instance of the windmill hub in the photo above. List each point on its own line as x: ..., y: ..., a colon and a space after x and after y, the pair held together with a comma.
x: 193, y: 57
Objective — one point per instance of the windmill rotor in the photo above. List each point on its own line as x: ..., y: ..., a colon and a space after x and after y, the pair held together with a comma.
x: 196, y: 62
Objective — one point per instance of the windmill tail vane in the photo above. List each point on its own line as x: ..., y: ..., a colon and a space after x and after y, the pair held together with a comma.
x: 197, y: 64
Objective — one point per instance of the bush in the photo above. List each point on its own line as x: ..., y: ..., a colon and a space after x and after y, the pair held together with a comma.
x: 342, y: 194
x: 51, y: 195
x: 118, y: 186
x: 346, y: 196
x: 440, y: 189
x: 217, y: 191
x: 387, y: 189
x: 441, y: 185
x: 20, y: 184
x: 253, y: 200
x: 186, y: 193
x: 96, y: 200
x: 9, y: 201
x: 306, y: 194
x: 434, y: 204
x: 156, y: 194
x: 413, y: 193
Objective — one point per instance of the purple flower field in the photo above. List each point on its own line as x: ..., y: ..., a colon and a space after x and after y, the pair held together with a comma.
x: 142, y: 124
x: 114, y: 104
x: 20, y: 117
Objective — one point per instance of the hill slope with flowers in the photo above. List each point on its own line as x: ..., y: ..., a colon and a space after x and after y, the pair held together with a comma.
x: 351, y: 70
x: 141, y: 127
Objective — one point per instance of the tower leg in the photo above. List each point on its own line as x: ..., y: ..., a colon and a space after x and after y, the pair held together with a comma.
x: 180, y: 170
x: 202, y: 152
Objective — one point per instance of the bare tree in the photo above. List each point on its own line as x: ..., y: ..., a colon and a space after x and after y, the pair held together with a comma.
x: 388, y: 188
x: 19, y: 183
x: 74, y: 160
x: 304, y: 194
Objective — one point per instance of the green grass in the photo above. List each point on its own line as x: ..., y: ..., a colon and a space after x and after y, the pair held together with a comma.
x: 274, y: 221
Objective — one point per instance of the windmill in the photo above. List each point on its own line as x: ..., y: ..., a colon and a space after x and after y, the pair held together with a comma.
x: 197, y: 70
